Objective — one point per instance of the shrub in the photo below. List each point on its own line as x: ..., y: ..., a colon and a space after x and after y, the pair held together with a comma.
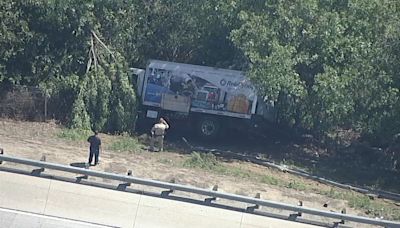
x: 125, y: 143
x: 74, y: 134
x: 203, y: 161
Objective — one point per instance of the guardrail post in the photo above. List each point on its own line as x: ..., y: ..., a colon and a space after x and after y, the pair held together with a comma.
x: 78, y: 179
x: 1, y: 152
x: 343, y: 212
x: 337, y: 224
x: 252, y: 208
x: 129, y: 173
x: 167, y: 192
x: 37, y: 172
x: 123, y: 186
x: 87, y: 165
x: 43, y: 159
x: 300, y: 204
x: 210, y: 199
x: 293, y: 217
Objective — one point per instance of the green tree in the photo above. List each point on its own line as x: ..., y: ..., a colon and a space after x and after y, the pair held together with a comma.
x: 14, y: 35
x: 329, y: 63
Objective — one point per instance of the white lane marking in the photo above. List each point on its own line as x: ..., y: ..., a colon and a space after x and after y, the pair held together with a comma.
x: 78, y: 222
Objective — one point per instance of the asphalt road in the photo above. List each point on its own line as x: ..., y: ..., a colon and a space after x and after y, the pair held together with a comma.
x: 27, y: 201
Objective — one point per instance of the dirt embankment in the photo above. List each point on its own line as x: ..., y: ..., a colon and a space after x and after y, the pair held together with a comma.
x: 32, y: 140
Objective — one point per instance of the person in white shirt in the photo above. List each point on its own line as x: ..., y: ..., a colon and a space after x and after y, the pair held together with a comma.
x: 157, y: 134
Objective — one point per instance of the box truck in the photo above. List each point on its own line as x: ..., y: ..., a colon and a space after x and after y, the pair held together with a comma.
x: 205, y: 99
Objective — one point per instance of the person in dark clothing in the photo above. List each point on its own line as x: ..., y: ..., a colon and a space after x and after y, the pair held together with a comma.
x: 95, y: 147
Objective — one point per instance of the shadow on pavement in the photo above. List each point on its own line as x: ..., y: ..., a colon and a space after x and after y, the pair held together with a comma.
x: 78, y: 164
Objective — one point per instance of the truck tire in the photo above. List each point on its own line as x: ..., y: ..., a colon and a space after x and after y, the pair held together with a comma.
x: 208, y: 127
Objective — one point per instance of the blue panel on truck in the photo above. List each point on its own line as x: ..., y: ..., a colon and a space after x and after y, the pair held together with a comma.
x: 154, y: 93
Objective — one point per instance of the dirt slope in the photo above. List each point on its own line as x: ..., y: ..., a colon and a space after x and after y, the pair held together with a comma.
x: 32, y: 140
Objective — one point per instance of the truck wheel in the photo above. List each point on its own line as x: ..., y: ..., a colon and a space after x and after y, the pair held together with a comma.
x: 208, y: 127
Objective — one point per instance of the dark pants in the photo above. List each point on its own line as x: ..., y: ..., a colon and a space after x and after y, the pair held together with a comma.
x: 95, y: 154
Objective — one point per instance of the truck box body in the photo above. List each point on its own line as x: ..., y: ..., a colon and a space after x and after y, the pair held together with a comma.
x: 208, y: 90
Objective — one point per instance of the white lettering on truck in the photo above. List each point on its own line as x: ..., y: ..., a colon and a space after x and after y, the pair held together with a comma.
x: 239, y: 84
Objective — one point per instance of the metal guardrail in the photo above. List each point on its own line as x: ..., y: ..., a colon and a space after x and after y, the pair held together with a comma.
x: 178, y: 187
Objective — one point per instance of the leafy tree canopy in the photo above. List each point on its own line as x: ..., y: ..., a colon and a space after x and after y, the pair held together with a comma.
x: 327, y: 64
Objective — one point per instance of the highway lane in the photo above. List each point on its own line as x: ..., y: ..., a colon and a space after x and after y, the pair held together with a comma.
x: 27, y: 201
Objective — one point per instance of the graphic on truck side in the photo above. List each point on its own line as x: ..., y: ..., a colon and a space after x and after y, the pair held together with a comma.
x: 231, y: 93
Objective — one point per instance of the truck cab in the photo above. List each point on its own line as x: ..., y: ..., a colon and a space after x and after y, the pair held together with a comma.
x: 137, y: 77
